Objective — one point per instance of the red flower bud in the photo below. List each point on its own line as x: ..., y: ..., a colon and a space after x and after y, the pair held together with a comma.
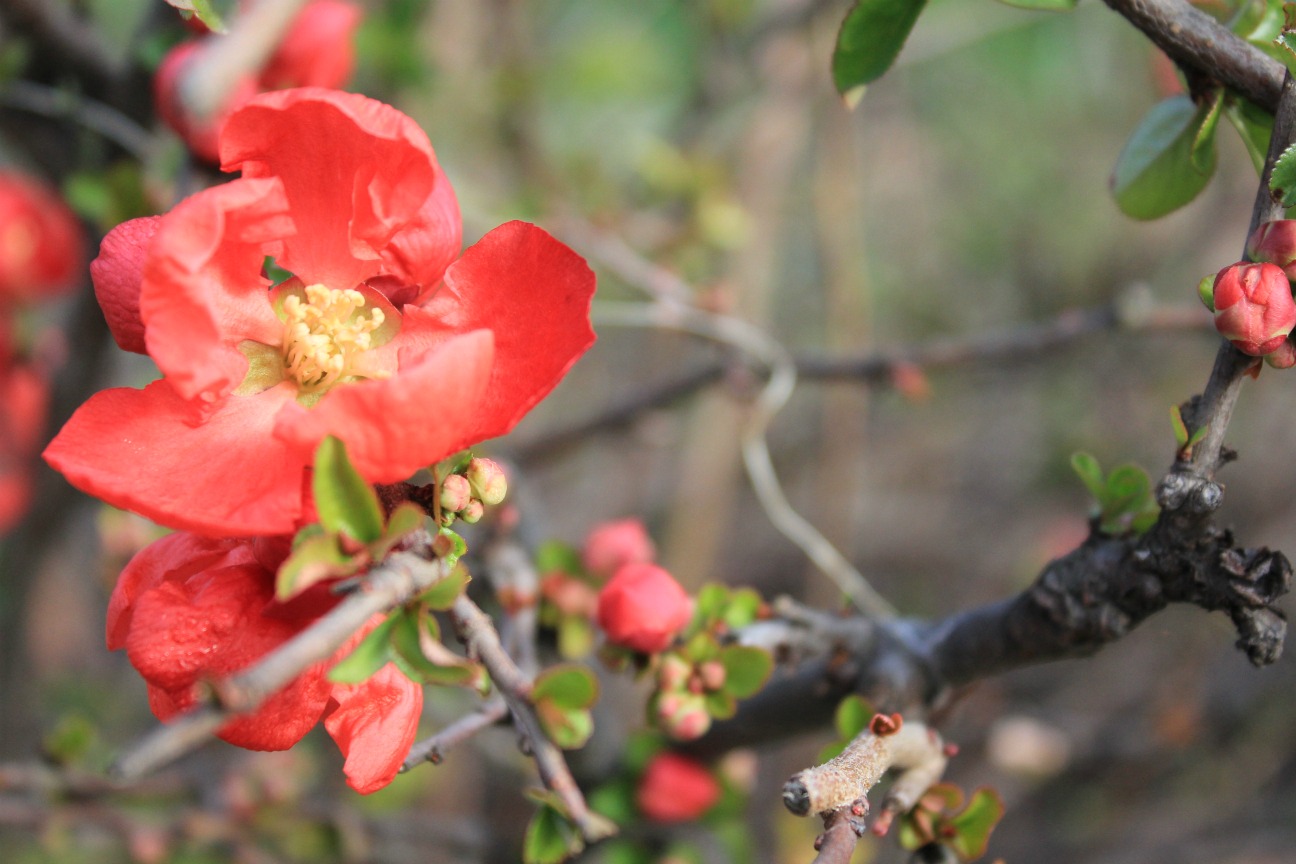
x: 1253, y: 307
x: 675, y: 788
x: 1275, y: 242
x: 40, y: 241
x: 642, y: 608
x: 1282, y: 357
x: 611, y: 545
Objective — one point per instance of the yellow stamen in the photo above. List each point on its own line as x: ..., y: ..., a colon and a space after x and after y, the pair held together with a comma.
x: 324, y: 333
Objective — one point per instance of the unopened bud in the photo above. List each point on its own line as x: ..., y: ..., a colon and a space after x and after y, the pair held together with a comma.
x: 456, y: 492
x: 674, y: 672
x: 1206, y: 292
x: 881, y: 725
x: 1275, y: 242
x: 488, y: 481
x: 1253, y: 307
x: 473, y: 513
x: 1282, y: 357
x: 686, y: 719
x: 713, y: 674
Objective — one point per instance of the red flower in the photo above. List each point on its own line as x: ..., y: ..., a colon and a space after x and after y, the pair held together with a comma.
x: 1253, y: 307
x: 378, y: 338
x: 642, y: 608
x: 200, y: 134
x: 675, y: 788
x: 23, y: 397
x: 318, y: 50
x: 190, y: 608
x: 613, y: 544
x: 40, y: 241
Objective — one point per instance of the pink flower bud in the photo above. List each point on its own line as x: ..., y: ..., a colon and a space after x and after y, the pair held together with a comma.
x: 1253, y: 307
x: 683, y: 716
x: 642, y: 608
x: 675, y: 788
x: 1282, y: 357
x: 611, y: 545
x: 455, y: 493
x: 1275, y: 242
x: 488, y: 481
x: 713, y: 674
x: 473, y: 512
x: 569, y: 594
x: 674, y: 672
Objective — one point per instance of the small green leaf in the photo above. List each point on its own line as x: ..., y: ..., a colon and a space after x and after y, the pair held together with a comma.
x: 1090, y: 473
x: 974, y: 824
x: 206, y: 11
x: 712, y: 600
x: 870, y: 39
x: 1255, y: 127
x: 1043, y: 5
x: 346, y: 503
x: 568, y: 686
x: 852, y: 716
x: 550, y: 838
x: 720, y: 704
x: 554, y: 556
x: 746, y: 669
x: 315, y: 558
x: 373, y: 653
x: 1168, y: 159
x: 1282, y: 182
x: 405, y: 520
x: 443, y: 593
x: 568, y: 728
x: 1127, y: 485
x: 1177, y: 424
x: 744, y: 606
x: 575, y: 637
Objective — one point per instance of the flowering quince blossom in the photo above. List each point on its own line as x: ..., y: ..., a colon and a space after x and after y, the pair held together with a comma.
x: 1254, y: 308
x: 380, y: 337
x: 40, y: 242
x: 675, y: 788
x: 610, y: 545
x: 189, y: 608
x: 642, y: 607
x: 24, y: 395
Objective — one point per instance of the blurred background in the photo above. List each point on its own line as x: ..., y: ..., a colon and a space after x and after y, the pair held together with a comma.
x: 961, y: 203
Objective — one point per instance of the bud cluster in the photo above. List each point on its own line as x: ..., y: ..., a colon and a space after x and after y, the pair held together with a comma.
x: 1252, y: 301
x: 680, y: 709
x: 466, y: 496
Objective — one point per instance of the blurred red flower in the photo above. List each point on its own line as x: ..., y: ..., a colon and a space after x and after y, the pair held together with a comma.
x: 189, y: 608
x: 40, y: 242
x: 675, y: 788
x: 610, y: 545
x: 24, y: 394
x: 381, y: 337
x: 642, y: 607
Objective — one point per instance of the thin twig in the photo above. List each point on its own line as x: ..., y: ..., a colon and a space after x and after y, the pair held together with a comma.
x: 755, y: 450
x: 836, y: 844
x: 220, y: 64
x: 399, y: 578
x: 95, y: 116
x: 435, y: 748
x: 483, y: 643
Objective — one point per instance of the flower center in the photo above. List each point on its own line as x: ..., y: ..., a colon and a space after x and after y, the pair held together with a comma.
x: 324, y: 333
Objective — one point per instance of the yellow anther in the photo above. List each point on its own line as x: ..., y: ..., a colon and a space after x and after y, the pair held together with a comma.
x: 324, y: 333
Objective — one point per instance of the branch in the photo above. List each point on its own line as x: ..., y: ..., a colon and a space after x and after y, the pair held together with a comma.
x: 1196, y: 41
x: 483, y: 643
x: 401, y: 577
x: 435, y: 748
x: 95, y: 116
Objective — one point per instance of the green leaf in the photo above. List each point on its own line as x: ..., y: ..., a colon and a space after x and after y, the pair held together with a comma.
x: 550, y: 838
x: 1177, y: 423
x: 568, y: 728
x: 1254, y: 126
x: 1090, y: 473
x: 852, y: 716
x: 316, y: 557
x: 712, y: 600
x: 210, y: 12
x: 346, y: 503
x: 744, y: 606
x: 975, y: 823
x: 869, y: 41
x: 554, y: 556
x: 1043, y: 5
x: 575, y: 637
x: 567, y: 686
x: 442, y: 594
x: 1127, y: 485
x: 720, y: 704
x: 373, y: 653
x: 405, y: 520
x: 1168, y: 159
x: 746, y: 669
x: 1282, y: 182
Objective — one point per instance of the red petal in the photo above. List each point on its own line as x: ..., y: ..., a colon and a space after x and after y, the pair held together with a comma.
x: 203, y: 292
x: 534, y: 294
x: 393, y: 427
x: 117, y: 274
x: 355, y: 171
x: 154, y: 453
x: 317, y: 50
x: 420, y: 253
x: 374, y: 725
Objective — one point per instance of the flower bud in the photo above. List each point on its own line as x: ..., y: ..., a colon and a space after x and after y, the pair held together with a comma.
x: 683, y: 716
x: 472, y: 513
x: 675, y: 788
x: 1282, y: 357
x: 488, y: 481
x: 612, y: 545
x: 1253, y: 307
x: 40, y: 242
x: 455, y: 493
x: 642, y: 608
x: 1275, y: 242
x: 570, y: 595
x: 674, y: 672
x: 713, y: 674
